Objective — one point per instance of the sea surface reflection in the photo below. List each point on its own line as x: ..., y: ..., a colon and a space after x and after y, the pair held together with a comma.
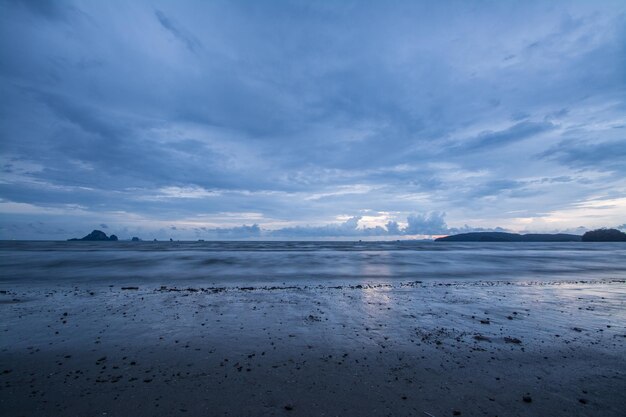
x: 234, y: 263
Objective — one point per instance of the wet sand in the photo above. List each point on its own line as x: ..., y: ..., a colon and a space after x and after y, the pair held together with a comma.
x: 407, y: 349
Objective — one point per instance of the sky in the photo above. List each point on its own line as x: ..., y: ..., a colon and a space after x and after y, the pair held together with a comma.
x: 311, y: 119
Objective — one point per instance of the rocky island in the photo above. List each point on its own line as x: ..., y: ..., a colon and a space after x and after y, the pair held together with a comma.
x: 96, y: 236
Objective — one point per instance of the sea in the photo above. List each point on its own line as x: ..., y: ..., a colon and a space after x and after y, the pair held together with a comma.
x: 263, y: 263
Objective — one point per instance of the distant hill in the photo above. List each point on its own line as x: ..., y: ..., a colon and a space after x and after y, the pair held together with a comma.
x: 509, y: 237
x: 96, y: 236
x: 604, y: 235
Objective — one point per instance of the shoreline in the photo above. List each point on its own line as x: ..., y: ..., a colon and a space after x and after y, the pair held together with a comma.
x: 411, y: 348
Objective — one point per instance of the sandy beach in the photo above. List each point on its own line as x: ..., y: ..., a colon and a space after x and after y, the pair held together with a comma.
x: 412, y: 348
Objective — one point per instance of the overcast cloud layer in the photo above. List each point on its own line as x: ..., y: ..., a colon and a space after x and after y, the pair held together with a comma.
x: 299, y: 119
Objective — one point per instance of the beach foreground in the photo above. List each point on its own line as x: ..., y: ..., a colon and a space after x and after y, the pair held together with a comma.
x: 413, y: 348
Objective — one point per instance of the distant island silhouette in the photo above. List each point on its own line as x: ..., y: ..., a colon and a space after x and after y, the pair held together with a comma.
x: 600, y: 235
x: 604, y: 235
x: 96, y: 236
x: 509, y: 237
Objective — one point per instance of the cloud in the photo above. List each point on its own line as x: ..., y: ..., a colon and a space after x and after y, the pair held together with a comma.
x: 602, y: 156
x: 305, y: 112
x: 179, y: 33
x: 348, y: 228
x: 426, y: 224
x: 173, y: 192
x: 511, y: 135
x: 393, y: 228
x: 46, y: 9
x: 417, y: 224
x: 495, y: 187
x: 226, y: 233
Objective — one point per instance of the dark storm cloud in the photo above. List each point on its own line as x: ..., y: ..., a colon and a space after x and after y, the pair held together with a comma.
x: 495, y: 187
x: 603, y: 156
x: 53, y: 10
x: 308, y: 114
x: 515, y: 133
x: 187, y: 39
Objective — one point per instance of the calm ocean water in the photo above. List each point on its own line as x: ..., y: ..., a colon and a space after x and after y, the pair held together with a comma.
x: 224, y: 263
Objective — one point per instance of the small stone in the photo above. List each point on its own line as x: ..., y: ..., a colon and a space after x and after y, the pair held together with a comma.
x: 288, y: 407
x: 527, y: 399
